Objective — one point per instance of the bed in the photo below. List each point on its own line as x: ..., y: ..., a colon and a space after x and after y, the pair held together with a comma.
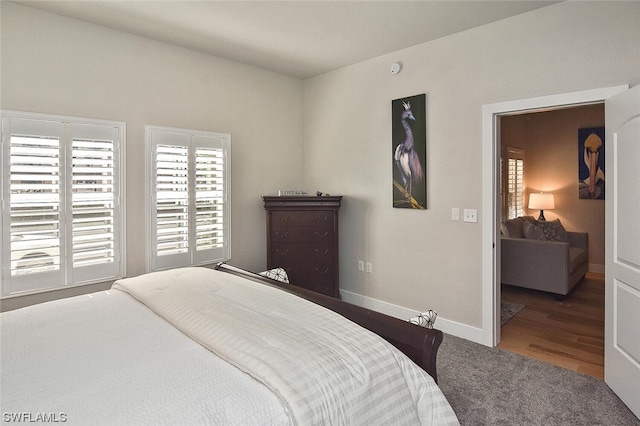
x: 215, y: 346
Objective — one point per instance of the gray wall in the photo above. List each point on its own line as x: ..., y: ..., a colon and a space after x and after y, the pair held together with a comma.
x: 52, y: 64
x: 423, y: 259
x: 332, y: 132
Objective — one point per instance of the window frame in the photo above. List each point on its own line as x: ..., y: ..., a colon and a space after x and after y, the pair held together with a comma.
x: 70, y: 131
x: 192, y: 139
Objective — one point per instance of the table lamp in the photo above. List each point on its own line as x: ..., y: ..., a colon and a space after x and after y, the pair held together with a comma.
x: 543, y: 201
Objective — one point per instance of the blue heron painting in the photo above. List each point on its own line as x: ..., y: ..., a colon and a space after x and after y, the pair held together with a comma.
x: 409, y: 152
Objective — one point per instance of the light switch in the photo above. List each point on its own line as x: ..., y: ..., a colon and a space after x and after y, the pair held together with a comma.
x: 470, y: 215
x: 455, y: 214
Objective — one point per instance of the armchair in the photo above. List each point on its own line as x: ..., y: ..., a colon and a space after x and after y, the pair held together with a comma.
x: 551, y: 260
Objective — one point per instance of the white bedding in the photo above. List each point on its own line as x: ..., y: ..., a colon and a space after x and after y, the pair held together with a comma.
x: 106, y: 359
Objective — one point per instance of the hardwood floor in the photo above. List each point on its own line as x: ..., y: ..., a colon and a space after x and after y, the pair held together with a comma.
x: 567, y: 333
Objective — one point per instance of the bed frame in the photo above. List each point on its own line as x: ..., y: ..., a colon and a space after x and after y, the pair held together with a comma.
x: 418, y: 343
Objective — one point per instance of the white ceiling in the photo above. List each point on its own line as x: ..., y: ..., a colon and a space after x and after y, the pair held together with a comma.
x: 297, y: 38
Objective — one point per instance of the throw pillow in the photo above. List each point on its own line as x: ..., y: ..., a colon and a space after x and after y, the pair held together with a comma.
x: 532, y: 231
x: 514, y: 227
x: 278, y: 274
x: 504, y: 231
x: 553, y: 231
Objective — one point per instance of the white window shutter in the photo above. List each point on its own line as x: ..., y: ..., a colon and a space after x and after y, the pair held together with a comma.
x: 515, y: 183
x: 33, y: 213
x: 96, y: 224
x: 189, y: 210
x: 169, y: 218
x: 211, y: 221
x: 61, y: 211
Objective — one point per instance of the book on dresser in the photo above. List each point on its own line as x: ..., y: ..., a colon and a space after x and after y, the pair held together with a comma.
x: 302, y: 238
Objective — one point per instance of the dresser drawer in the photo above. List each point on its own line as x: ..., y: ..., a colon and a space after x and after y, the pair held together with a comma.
x: 300, y: 252
x: 299, y: 272
x: 324, y: 287
x: 316, y: 277
x: 302, y: 218
x: 301, y: 234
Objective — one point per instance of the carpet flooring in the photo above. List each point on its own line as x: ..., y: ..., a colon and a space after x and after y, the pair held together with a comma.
x: 490, y: 386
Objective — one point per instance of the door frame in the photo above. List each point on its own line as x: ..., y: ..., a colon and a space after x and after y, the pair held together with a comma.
x: 491, y: 114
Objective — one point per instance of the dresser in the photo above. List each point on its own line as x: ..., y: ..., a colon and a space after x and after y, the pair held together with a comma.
x: 302, y: 238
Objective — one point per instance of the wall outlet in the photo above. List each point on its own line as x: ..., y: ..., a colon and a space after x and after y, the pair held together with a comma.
x: 361, y: 265
x: 368, y: 267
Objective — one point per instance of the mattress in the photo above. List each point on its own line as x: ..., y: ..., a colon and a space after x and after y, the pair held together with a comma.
x: 113, y: 357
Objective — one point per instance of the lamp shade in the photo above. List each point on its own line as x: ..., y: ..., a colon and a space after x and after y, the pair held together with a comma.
x: 541, y: 201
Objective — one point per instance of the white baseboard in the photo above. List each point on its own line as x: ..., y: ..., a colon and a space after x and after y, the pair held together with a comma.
x: 597, y: 268
x: 446, y: 326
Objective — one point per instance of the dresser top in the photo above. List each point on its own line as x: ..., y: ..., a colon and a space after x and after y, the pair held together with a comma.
x: 301, y: 201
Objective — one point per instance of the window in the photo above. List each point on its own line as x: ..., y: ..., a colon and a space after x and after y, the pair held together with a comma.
x: 513, y: 183
x: 188, y: 185
x: 61, y: 194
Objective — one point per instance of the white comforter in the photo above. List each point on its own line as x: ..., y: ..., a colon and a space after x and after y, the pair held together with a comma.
x: 106, y: 359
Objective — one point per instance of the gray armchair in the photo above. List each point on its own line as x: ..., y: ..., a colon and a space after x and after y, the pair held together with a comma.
x: 531, y: 258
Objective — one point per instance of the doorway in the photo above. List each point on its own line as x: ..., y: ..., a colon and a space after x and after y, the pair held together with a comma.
x: 492, y: 113
x: 568, y: 332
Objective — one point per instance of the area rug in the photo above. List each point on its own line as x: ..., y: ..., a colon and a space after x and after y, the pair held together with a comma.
x: 508, y: 310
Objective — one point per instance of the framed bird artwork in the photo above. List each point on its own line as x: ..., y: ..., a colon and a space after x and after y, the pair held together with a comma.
x: 591, y: 163
x: 409, y: 149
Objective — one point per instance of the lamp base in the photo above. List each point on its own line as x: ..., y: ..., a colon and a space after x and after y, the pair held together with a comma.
x: 541, y: 217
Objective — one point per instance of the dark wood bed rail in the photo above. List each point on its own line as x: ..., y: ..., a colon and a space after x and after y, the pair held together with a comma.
x: 420, y: 344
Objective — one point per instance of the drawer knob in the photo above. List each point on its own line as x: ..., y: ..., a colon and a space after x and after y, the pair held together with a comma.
x: 284, y: 219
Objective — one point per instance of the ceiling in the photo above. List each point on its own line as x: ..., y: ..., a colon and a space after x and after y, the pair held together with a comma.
x: 297, y: 38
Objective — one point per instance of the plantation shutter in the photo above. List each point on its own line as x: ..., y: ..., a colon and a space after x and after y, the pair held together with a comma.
x: 61, y: 207
x: 170, y: 193
x: 94, y: 201
x: 515, y: 183
x: 188, y: 185
x: 33, y: 211
x: 209, y: 198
